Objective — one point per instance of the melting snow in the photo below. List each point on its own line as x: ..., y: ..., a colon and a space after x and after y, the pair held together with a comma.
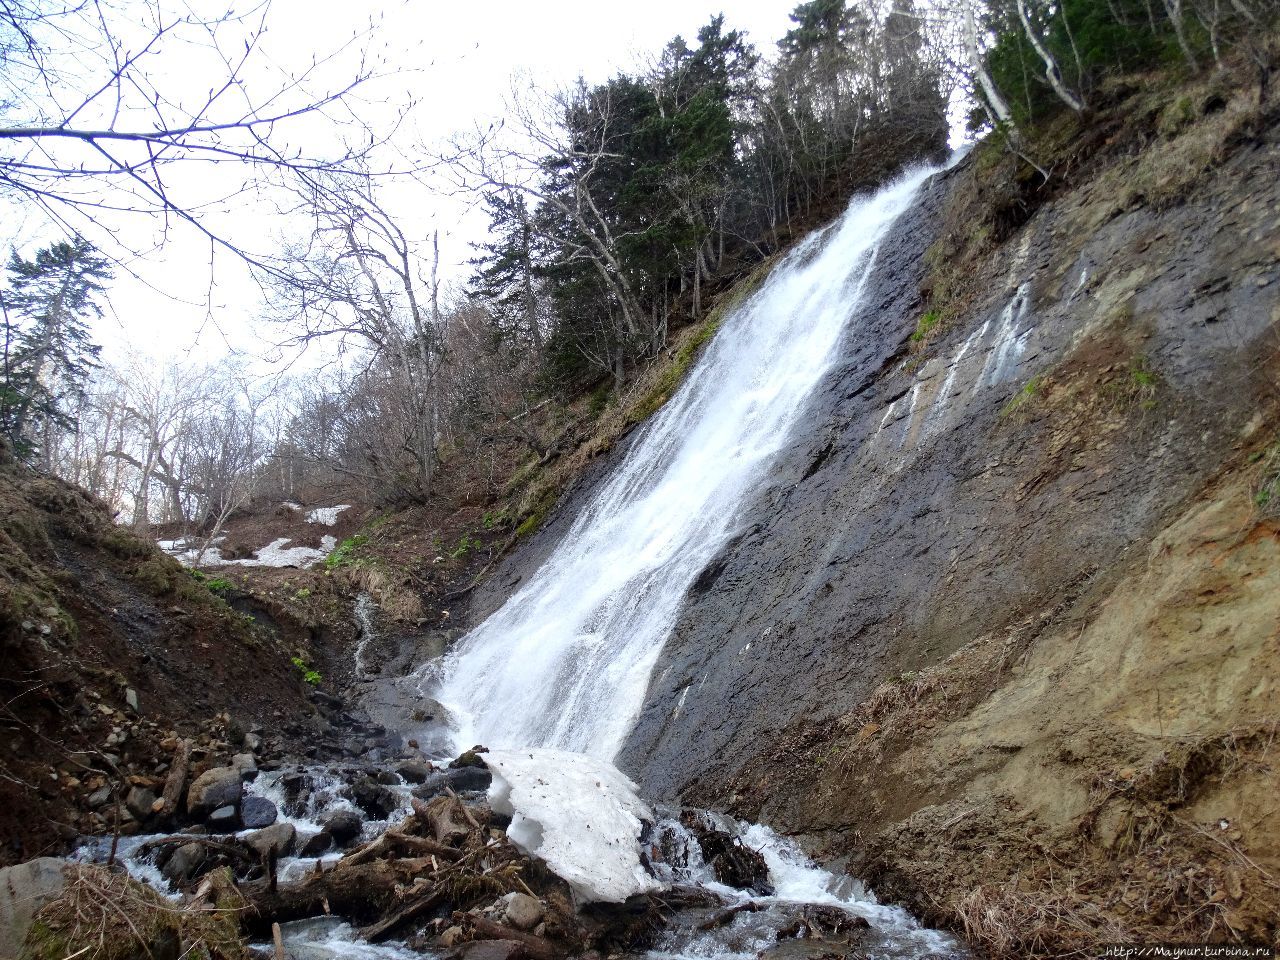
x: 580, y: 815
x: 275, y: 554
x: 326, y: 515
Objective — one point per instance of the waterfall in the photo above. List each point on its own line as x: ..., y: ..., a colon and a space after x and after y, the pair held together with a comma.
x: 566, y: 661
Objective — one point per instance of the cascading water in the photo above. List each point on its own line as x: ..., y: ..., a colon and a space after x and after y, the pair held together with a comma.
x: 565, y: 662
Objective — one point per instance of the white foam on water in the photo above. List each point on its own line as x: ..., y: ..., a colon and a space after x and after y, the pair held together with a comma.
x: 566, y: 661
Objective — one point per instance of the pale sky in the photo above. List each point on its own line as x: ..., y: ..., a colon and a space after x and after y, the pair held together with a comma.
x: 458, y: 61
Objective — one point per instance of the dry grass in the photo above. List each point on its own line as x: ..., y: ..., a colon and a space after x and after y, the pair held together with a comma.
x: 108, y: 916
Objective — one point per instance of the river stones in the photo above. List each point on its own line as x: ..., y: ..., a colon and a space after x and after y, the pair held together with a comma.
x: 343, y: 826
x: 278, y: 839
x: 219, y: 787
x: 256, y: 812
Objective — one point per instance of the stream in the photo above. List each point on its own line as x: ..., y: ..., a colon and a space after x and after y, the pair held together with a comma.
x: 565, y: 663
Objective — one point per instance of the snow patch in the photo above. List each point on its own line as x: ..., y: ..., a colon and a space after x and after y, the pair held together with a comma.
x: 580, y: 815
x: 326, y: 515
x: 277, y: 553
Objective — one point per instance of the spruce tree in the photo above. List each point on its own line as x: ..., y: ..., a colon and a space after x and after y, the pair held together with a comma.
x: 48, y: 353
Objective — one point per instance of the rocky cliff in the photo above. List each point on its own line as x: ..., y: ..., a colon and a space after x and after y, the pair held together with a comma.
x: 1004, y: 628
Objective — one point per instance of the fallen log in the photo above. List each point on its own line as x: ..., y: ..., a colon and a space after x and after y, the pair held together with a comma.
x: 393, y: 840
x: 360, y: 891
x: 176, y: 780
x: 538, y: 948
x: 383, y: 928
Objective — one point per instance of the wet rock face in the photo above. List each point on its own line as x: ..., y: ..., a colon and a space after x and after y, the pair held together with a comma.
x: 933, y: 497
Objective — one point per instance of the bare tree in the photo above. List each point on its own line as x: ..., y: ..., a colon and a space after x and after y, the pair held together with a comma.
x: 358, y: 279
x: 96, y: 111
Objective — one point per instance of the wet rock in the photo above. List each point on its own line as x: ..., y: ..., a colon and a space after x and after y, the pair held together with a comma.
x: 413, y: 771
x: 279, y: 839
x: 139, y: 802
x: 460, y: 780
x: 184, y: 862
x: 818, y: 921
x: 487, y: 950
x: 374, y: 798
x: 24, y: 889
x: 258, y: 812
x: 520, y: 910
x: 246, y: 764
x: 343, y: 826
x: 733, y: 862
x: 470, y: 758
x: 219, y: 787
x: 223, y: 820
x: 387, y: 778
x: 316, y: 844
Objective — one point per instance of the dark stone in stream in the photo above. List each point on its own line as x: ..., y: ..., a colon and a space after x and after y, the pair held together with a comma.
x: 413, y: 771
x: 183, y: 863
x: 316, y: 844
x: 258, y: 812
x: 223, y: 820
x: 278, y: 839
x: 821, y: 922
x: 374, y: 798
x: 343, y: 826
x: 463, y: 780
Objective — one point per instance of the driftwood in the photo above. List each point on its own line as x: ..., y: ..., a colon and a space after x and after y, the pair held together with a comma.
x: 176, y: 780
x: 724, y: 917
x: 394, y: 841
x: 539, y: 948
x: 383, y: 928
x: 352, y: 890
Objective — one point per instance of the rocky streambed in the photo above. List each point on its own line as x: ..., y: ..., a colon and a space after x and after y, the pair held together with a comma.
x: 372, y: 845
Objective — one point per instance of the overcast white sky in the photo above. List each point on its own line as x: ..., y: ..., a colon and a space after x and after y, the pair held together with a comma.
x: 458, y: 60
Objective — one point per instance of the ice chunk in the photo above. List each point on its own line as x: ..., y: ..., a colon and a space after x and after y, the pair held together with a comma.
x: 578, y: 814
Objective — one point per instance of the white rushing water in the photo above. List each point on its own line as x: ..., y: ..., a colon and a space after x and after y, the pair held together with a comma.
x: 565, y: 662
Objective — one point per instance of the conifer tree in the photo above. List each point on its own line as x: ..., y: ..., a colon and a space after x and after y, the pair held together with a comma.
x: 48, y: 353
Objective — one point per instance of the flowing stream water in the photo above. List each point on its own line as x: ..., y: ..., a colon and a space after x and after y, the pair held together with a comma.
x: 566, y: 661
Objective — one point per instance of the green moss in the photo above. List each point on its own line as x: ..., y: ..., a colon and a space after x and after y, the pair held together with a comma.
x: 529, y: 525
x: 1019, y: 401
x: 925, y: 325
x: 674, y: 371
x: 344, y: 554
x: 156, y: 574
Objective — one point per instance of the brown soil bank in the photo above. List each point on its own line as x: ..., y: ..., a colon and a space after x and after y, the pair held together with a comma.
x: 1005, y: 627
x: 109, y: 651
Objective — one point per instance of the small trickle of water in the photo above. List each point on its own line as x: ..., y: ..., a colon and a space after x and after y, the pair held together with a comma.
x: 364, y: 613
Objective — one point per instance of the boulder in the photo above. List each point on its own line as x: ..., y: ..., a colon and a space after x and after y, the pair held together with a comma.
x: 316, y: 844
x: 223, y: 820
x: 246, y: 764
x: 470, y: 758
x: 24, y: 889
x: 459, y: 780
x: 184, y: 862
x: 219, y: 787
x: 140, y: 802
x: 520, y: 910
x: 343, y: 826
x: 279, y: 839
x: 413, y: 771
x: 374, y: 798
x: 258, y: 812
